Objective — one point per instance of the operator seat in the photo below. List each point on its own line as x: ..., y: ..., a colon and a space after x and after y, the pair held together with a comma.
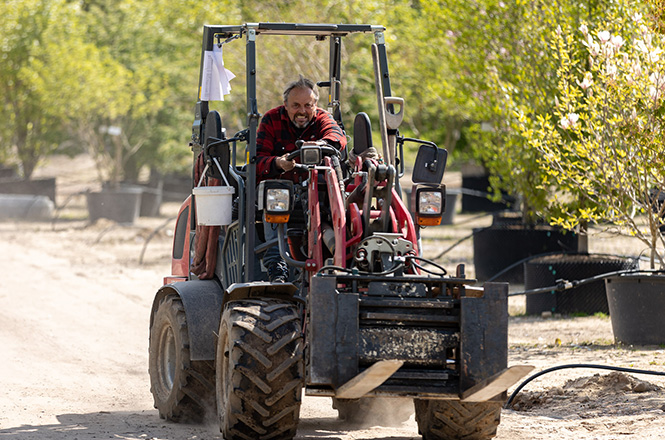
x: 362, y: 134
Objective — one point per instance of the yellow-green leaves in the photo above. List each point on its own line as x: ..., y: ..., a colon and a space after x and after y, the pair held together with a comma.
x: 606, y: 153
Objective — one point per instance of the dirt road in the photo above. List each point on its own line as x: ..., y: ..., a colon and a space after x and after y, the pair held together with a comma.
x: 74, y: 338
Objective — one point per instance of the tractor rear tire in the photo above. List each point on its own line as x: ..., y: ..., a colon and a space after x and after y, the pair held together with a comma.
x: 183, y: 390
x: 455, y: 420
x: 259, y: 370
x: 382, y: 411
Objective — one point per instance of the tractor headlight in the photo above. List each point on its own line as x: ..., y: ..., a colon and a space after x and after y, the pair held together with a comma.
x: 428, y: 203
x: 276, y: 200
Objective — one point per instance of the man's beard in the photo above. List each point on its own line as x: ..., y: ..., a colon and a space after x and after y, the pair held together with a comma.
x: 301, y: 124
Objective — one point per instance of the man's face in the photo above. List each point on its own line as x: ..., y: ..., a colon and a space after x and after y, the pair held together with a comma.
x: 301, y: 106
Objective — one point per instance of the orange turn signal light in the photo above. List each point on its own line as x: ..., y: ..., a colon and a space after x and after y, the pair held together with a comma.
x: 428, y: 221
x: 277, y: 218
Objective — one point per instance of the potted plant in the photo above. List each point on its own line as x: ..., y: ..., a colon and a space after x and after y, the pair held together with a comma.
x: 500, y: 54
x: 505, y: 54
x: 142, y: 109
x: 114, y: 200
x: 135, y: 138
x: 603, y: 147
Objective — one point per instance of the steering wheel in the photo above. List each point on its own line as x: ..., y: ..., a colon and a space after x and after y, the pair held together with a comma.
x: 292, y: 155
x: 298, y: 166
x: 326, y: 150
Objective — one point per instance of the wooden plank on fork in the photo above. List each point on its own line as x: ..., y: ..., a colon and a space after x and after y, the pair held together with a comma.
x: 368, y: 379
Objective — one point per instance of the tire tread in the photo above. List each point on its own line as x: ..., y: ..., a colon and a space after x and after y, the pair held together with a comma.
x: 265, y: 368
x: 192, y: 397
x: 455, y: 420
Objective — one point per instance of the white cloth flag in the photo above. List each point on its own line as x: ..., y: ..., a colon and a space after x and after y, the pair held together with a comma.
x: 216, y: 79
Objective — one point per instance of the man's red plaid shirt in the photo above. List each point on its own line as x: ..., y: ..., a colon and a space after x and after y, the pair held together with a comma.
x: 277, y: 135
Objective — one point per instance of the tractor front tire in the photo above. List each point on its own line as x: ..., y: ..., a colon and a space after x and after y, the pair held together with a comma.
x: 259, y: 370
x: 455, y: 420
x: 183, y: 390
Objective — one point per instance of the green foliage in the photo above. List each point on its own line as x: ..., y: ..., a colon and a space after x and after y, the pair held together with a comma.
x: 601, y: 147
x: 504, y: 69
x: 157, y: 45
x: 44, y: 65
x: 72, y: 68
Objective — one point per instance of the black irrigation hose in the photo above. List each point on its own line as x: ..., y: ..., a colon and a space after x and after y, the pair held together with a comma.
x: 153, y: 234
x: 453, y: 246
x: 524, y: 260
x: 61, y: 207
x: 485, y: 195
x: 460, y: 241
x: 561, y: 367
x: 566, y: 285
x: 532, y: 257
x: 481, y: 215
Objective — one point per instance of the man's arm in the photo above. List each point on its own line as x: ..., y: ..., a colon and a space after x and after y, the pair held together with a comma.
x: 265, y: 146
x: 330, y: 131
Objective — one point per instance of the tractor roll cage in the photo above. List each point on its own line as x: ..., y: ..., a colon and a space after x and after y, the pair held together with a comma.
x: 214, y: 34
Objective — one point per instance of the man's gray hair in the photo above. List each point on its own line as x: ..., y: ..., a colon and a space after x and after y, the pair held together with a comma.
x: 301, y: 83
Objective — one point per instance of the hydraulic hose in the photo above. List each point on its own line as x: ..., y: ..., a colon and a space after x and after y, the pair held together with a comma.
x: 283, y: 251
x: 413, y: 258
x: 562, y: 367
x: 337, y: 166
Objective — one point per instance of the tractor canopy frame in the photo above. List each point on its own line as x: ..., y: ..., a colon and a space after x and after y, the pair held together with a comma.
x: 213, y: 34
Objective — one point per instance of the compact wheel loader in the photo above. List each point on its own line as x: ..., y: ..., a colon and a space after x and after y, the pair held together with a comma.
x: 363, y: 318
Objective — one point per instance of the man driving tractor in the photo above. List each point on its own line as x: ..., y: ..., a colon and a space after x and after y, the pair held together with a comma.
x: 298, y: 119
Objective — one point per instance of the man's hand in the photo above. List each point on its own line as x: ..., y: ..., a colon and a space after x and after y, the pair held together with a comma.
x: 285, y: 164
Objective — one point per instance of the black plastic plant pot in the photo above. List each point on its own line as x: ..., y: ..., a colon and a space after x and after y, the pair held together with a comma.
x: 37, y: 187
x: 637, y: 303
x: 151, y: 202
x: 587, y: 298
x: 121, y: 204
x: 476, y: 199
x: 451, y: 207
x: 503, y: 244
x: 151, y: 195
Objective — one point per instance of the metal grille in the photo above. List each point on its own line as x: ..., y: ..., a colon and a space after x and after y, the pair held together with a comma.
x: 232, y: 257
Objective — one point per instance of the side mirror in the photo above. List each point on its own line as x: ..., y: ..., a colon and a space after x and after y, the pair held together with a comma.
x: 430, y: 164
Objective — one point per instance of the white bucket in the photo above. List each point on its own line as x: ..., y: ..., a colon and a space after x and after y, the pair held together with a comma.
x: 214, y: 205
